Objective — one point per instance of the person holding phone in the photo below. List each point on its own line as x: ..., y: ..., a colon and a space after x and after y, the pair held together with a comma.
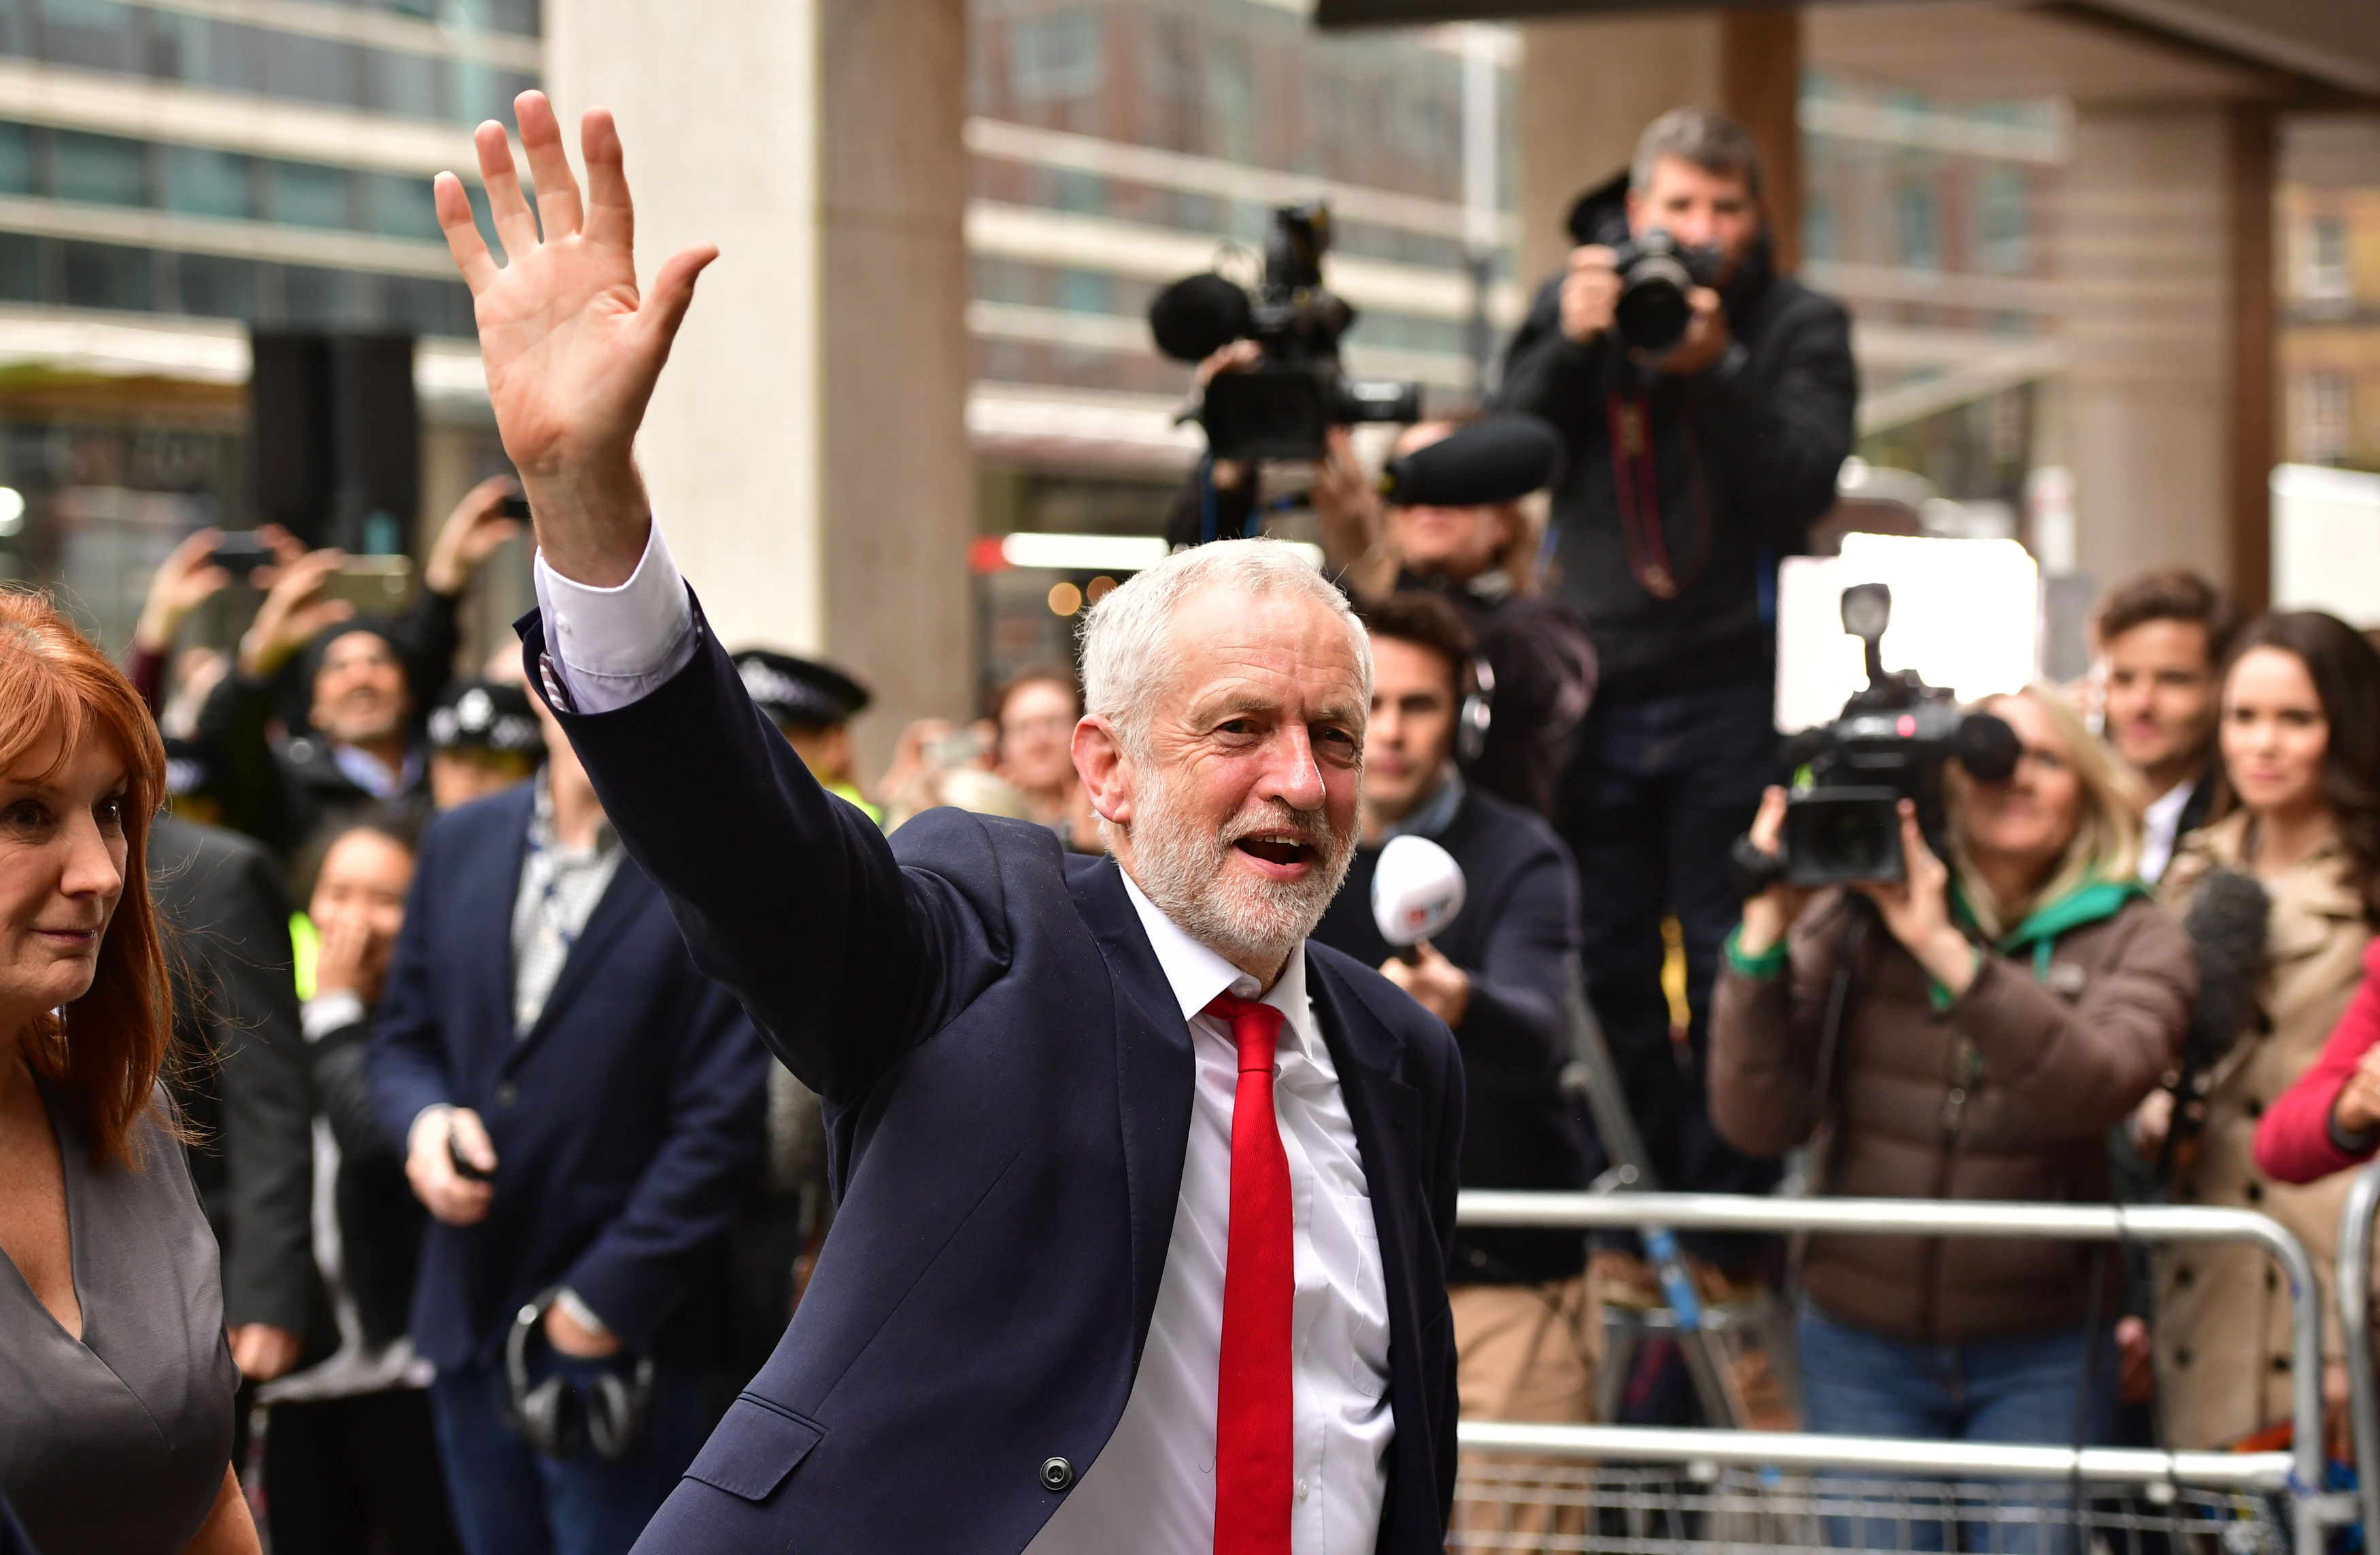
x: 348, y: 687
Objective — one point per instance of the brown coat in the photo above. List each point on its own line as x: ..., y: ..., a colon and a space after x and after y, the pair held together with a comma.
x: 2007, y: 1095
x: 2223, y: 1311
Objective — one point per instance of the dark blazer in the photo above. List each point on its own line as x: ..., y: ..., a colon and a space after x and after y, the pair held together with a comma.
x: 626, y: 1123
x: 1007, y: 1084
x: 1516, y: 935
x: 245, y: 1089
x: 380, y: 1223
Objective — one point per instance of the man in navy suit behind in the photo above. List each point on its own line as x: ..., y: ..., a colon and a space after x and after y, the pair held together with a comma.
x: 1145, y: 1201
x: 544, y: 1027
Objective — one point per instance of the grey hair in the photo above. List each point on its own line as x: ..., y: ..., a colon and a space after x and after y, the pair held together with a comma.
x: 1128, y: 634
x: 1711, y: 142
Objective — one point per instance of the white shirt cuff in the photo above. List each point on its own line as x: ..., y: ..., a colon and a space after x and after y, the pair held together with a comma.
x: 611, y: 647
x: 330, y: 1011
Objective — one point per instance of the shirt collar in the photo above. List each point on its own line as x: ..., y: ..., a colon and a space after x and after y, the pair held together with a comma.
x: 2168, y: 806
x: 367, y: 772
x: 1196, y: 973
x: 541, y: 824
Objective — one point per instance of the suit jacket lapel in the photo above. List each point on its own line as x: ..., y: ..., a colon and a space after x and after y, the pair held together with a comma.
x: 622, y: 899
x: 1156, y: 1076
x: 1387, y: 1115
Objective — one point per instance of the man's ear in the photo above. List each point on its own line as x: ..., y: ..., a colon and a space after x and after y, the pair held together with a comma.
x: 1106, y: 770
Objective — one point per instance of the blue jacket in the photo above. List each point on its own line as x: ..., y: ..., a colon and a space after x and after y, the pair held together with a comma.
x: 1007, y: 1083
x: 626, y: 1123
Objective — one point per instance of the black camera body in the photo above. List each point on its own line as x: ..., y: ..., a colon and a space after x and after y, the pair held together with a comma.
x: 1892, y: 742
x: 1283, y: 406
x: 1656, y: 273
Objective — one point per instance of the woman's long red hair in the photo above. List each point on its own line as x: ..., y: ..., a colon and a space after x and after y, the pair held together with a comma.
x: 57, y: 687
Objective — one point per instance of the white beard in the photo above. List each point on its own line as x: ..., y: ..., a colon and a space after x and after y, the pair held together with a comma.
x: 1185, y: 871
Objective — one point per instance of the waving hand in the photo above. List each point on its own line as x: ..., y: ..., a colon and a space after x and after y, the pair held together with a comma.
x: 572, y: 349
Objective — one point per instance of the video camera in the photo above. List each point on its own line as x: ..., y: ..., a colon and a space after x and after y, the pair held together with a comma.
x: 1281, y: 407
x: 1891, y: 742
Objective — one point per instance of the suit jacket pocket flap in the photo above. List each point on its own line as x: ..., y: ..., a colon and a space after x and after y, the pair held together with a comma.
x: 754, y: 1448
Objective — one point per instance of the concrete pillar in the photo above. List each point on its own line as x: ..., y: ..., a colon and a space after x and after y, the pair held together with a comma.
x: 2144, y: 414
x: 1590, y: 85
x: 807, y: 449
x: 899, y: 501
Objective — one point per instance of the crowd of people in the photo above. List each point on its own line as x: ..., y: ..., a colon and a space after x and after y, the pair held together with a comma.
x: 464, y: 1071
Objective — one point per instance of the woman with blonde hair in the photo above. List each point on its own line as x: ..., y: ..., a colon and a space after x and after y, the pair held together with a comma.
x: 116, y: 1375
x: 1994, y: 1015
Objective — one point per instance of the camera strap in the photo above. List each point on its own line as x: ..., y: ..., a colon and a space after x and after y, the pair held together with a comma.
x: 1636, y: 483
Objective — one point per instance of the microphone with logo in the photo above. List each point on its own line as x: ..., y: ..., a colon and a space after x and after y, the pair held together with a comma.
x: 1416, y: 891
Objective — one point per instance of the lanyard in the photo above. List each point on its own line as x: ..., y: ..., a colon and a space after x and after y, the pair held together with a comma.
x: 1636, y: 483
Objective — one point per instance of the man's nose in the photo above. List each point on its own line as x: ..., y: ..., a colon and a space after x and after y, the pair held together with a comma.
x: 1292, y: 776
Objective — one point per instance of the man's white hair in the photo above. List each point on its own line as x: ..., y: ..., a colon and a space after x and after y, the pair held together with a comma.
x: 1128, y: 636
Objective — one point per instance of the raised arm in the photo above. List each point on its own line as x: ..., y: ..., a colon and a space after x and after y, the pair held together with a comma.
x: 789, y: 897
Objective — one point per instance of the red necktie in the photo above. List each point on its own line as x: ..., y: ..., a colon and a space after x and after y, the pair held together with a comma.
x: 1253, y: 1469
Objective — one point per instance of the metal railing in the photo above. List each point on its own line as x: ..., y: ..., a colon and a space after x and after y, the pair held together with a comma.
x: 2355, y: 1321
x: 2297, y: 1474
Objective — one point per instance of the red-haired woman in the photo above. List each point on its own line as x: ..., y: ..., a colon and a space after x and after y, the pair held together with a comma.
x: 115, y: 1378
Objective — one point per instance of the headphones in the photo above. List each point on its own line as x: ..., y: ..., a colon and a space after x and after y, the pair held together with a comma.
x: 607, y: 1413
x: 1477, y: 712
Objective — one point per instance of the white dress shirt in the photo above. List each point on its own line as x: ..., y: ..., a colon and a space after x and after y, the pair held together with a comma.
x: 1152, y: 1489
x: 2158, y: 826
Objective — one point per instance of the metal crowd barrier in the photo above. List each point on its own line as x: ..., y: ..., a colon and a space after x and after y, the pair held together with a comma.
x: 1743, y: 1471
x: 2355, y: 1321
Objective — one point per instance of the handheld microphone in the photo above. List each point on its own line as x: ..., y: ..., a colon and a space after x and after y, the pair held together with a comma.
x: 1500, y: 459
x: 1416, y: 891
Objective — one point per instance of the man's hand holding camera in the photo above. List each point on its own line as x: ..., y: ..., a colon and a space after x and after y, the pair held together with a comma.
x: 1915, y: 908
x: 1590, y: 298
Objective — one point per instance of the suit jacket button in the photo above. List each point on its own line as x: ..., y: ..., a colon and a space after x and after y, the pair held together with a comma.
x: 507, y: 1093
x: 1057, y: 1474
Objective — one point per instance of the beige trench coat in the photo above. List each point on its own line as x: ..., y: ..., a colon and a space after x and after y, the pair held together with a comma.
x: 2223, y: 1309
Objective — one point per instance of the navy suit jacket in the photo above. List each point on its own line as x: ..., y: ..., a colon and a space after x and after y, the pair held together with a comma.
x: 628, y: 1122
x: 1007, y: 1082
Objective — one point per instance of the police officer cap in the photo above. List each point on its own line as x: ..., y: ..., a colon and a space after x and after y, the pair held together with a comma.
x: 480, y: 715
x: 799, y: 691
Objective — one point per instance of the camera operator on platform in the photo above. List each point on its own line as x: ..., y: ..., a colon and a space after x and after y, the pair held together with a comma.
x: 1689, y: 472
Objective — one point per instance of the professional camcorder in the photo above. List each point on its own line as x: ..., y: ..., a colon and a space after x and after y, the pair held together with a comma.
x: 1843, y: 820
x: 1281, y: 407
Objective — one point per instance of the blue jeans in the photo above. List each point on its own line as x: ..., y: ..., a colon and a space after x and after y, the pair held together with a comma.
x: 1659, y: 788
x: 509, y: 1500
x: 2022, y: 1389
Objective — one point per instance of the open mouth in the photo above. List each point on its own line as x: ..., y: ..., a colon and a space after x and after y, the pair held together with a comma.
x: 1283, y: 852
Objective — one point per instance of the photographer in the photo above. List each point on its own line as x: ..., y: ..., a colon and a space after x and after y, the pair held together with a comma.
x: 353, y: 740
x: 1997, y: 1014
x: 1689, y: 470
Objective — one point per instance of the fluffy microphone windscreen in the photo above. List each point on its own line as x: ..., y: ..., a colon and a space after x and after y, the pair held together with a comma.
x: 1197, y: 316
x: 2227, y: 927
x: 1503, y: 458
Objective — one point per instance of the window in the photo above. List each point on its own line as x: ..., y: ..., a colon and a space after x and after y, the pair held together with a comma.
x: 2322, y: 273
x: 1917, y: 222
x: 315, y: 69
x: 1054, y: 57
x: 2326, y: 425
x: 398, y: 205
x: 16, y: 159
x: 104, y: 169
x: 2004, y: 222
x: 96, y: 34
x: 401, y: 83
x: 306, y: 195
x: 207, y: 183
x: 201, y: 53
x: 103, y: 275
x: 217, y: 286
x: 20, y: 267
x: 1822, y: 233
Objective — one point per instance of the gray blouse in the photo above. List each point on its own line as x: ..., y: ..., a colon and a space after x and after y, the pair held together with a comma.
x: 116, y: 1444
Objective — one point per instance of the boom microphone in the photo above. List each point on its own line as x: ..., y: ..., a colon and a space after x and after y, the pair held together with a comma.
x: 1197, y: 316
x: 1500, y: 459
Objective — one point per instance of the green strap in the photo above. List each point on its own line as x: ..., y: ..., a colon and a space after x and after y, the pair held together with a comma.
x: 305, y: 951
